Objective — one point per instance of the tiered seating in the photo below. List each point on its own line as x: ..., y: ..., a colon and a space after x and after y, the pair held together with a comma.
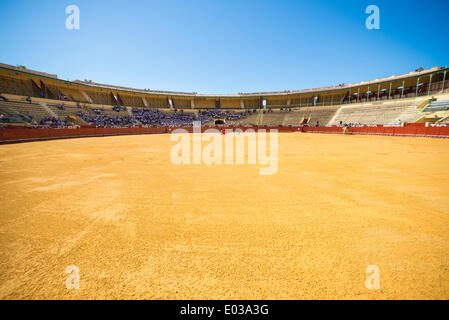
x: 382, y: 113
x: 293, y: 118
x: 13, y: 116
x: 35, y: 110
x: 409, y: 114
x: 275, y: 118
x: 208, y: 117
x: 313, y: 114
x: 113, y: 113
x: 385, y: 112
x: 247, y: 121
x: 437, y: 106
x: 69, y: 110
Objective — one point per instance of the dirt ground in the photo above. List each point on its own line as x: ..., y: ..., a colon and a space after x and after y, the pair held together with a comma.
x: 139, y: 227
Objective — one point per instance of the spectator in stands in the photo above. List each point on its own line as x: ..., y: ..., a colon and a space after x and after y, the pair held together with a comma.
x: 54, y: 123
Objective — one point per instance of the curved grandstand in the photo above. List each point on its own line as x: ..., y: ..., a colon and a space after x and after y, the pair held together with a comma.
x: 31, y: 98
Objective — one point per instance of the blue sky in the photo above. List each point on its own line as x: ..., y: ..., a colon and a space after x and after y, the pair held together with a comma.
x: 224, y: 46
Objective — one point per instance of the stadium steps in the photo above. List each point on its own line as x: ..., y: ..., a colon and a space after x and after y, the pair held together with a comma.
x: 313, y: 114
x: 87, y: 110
x: 259, y: 117
x: 49, y: 110
x: 13, y: 116
x: 379, y: 113
x: 335, y: 116
x: 293, y: 118
x: 274, y: 118
x: 410, y: 114
x: 113, y: 113
x: 76, y: 120
x: 36, y: 111
x: 249, y: 120
x: 70, y: 112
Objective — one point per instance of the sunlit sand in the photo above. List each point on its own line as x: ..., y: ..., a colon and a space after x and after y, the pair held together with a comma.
x: 138, y: 226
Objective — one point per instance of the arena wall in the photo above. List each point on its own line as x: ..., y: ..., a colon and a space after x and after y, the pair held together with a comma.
x: 15, y: 135
x: 25, y: 135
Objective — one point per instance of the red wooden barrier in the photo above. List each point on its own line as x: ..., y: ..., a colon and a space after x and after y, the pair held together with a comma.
x: 18, y: 135
x: 31, y: 134
x: 414, y: 129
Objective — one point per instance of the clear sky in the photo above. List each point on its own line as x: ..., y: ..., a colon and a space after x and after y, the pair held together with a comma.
x: 224, y: 46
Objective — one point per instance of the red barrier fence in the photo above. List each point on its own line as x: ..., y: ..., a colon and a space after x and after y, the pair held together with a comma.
x: 33, y: 134
x: 22, y: 135
x: 255, y: 128
x: 412, y: 129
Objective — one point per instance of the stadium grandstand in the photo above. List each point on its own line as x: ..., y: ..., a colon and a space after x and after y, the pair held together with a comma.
x: 32, y: 98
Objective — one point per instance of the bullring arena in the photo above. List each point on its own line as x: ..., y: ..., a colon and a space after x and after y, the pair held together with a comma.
x: 108, y: 199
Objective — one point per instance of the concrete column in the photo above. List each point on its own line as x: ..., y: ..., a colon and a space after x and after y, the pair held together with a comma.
x: 389, y: 92
x: 402, y: 92
x: 444, y: 78
x: 417, y: 82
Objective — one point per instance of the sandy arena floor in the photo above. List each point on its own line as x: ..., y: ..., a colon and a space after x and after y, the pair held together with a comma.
x: 138, y: 226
